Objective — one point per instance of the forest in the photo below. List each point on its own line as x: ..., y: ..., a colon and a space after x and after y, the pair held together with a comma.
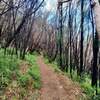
x: 49, y: 50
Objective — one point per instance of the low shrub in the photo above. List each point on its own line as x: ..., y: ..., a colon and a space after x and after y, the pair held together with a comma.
x: 24, y: 80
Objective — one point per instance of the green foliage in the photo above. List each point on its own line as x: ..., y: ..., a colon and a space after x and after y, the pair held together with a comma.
x: 53, y: 64
x: 35, y: 53
x: 88, y: 89
x: 8, y: 65
x: 12, y: 76
x: 31, y: 59
x: 4, y: 81
x: 34, y: 71
x: 96, y: 97
x: 24, y: 80
x: 37, y: 85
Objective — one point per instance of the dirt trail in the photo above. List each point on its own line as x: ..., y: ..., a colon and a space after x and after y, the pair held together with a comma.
x: 57, y: 86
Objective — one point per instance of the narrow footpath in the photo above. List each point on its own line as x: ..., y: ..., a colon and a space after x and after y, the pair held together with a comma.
x: 56, y: 86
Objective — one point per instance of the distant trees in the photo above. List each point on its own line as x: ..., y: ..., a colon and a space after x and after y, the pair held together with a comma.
x: 16, y: 23
x: 77, y: 39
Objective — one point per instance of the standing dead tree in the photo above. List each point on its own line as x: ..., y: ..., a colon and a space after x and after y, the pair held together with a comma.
x: 16, y: 21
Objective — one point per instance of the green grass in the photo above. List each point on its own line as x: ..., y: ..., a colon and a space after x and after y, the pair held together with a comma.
x: 53, y: 64
x: 23, y: 80
x: 8, y: 66
x: 34, y: 70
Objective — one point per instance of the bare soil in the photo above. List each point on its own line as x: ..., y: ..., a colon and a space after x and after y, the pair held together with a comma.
x: 56, y: 86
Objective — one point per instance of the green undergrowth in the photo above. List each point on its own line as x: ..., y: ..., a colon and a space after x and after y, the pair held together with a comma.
x: 84, y: 82
x: 34, y: 70
x: 32, y: 77
x: 11, y: 75
x: 8, y: 66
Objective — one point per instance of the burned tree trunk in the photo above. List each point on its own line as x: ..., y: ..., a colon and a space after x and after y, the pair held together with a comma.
x: 60, y: 33
x: 81, y: 41
x: 95, y: 49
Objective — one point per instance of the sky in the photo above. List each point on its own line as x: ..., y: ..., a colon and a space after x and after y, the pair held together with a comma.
x: 51, y: 5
